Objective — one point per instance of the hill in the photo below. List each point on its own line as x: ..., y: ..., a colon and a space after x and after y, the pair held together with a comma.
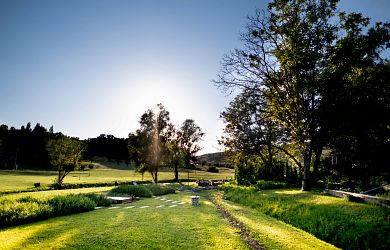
x: 212, y: 158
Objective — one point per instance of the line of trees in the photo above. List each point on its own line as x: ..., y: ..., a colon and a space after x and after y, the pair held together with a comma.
x: 155, y: 144
x: 309, y: 78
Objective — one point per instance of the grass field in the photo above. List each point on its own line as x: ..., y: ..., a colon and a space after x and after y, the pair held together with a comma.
x: 22, y: 180
x: 180, y: 227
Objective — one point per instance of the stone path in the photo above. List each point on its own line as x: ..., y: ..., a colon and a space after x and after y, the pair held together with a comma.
x: 173, y: 202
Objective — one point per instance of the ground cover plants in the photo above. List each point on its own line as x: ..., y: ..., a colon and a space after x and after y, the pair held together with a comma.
x: 348, y: 225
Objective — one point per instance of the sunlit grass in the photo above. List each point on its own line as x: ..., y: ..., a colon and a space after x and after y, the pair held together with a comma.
x: 345, y: 224
x: 270, y: 232
x: 181, y: 227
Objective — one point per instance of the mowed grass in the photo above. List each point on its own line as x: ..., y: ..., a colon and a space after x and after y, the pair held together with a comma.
x: 24, y: 180
x: 180, y: 227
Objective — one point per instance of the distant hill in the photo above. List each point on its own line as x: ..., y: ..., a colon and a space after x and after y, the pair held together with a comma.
x: 212, y: 158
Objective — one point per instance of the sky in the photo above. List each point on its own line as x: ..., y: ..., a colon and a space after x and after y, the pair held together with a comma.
x: 94, y: 67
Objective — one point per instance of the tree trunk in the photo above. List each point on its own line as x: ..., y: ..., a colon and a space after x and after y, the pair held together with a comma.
x: 306, y: 173
x: 176, y: 173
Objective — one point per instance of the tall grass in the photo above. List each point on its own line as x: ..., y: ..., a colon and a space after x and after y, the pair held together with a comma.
x: 344, y: 224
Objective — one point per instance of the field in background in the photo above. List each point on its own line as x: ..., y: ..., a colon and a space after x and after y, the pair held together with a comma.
x: 25, y: 179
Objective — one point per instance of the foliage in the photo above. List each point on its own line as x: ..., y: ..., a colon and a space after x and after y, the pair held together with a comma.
x: 149, y: 145
x: 160, y: 190
x: 65, y: 154
x: 265, y: 185
x: 107, y: 146
x: 132, y: 190
x: 99, y: 200
x: 334, y: 220
x: 69, y: 204
x: 212, y: 169
x: 22, y: 211
x: 304, y: 61
x: 29, y: 209
x: 251, y: 168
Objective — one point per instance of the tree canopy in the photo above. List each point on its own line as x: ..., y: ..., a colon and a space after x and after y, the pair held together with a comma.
x: 299, y: 58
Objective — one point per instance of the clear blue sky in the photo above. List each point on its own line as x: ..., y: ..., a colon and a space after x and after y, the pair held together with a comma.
x: 93, y: 67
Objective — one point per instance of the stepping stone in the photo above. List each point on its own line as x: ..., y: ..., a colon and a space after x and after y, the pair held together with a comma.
x: 160, y: 206
x: 112, y: 207
x: 130, y: 207
x: 181, y: 203
x: 173, y: 206
x: 163, y: 199
x: 168, y: 200
x: 156, y: 197
x: 98, y: 207
x: 144, y: 206
x: 174, y: 201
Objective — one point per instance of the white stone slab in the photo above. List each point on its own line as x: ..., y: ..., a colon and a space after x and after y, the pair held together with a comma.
x: 112, y: 207
x: 174, y: 202
x: 160, y: 206
x: 168, y: 200
x: 144, y: 206
x: 181, y: 203
x: 173, y: 206
x: 98, y: 207
x: 130, y: 207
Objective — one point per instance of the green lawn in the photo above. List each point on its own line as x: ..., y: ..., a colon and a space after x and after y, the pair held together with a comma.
x: 180, y: 227
x: 22, y: 180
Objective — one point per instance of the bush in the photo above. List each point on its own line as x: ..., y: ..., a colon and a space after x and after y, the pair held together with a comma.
x: 132, y: 190
x: 160, y: 190
x: 22, y: 211
x: 213, y: 169
x: 99, y: 200
x: 264, y: 185
x: 69, y: 204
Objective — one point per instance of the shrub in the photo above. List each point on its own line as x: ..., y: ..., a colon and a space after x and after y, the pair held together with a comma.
x: 132, y: 190
x: 26, y: 210
x: 213, y: 169
x: 99, y: 200
x: 69, y: 204
x: 160, y: 190
x: 264, y: 185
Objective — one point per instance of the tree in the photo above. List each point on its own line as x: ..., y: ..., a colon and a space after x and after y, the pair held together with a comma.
x: 65, y: 154
x: 250, y: 138
x: 152, y: 138
x: 290, y: 59
x: 183, y: 145
x: 188, y: 136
